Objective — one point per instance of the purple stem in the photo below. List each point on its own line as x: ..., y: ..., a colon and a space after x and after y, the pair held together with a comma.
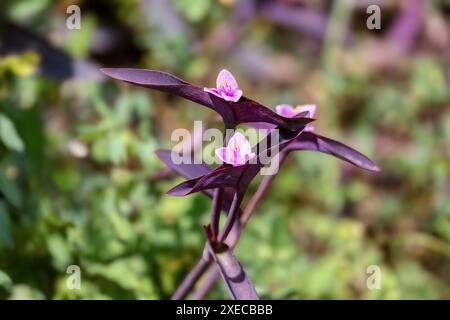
x: 215, y: 213
x: 231, y: 218
x: 207, y: 281
x: 192, y: 277
x: 190, y: 280
x: 202, y: 265
x: 212, y: 272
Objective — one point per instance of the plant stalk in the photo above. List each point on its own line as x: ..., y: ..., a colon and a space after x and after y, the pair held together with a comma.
x: 190, y: 280
x: 231, y: 218
x: 202, y: 265
x: 212, y: 273
x: 215, y: 213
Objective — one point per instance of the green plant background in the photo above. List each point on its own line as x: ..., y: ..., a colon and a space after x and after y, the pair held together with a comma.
x: 76, y: 159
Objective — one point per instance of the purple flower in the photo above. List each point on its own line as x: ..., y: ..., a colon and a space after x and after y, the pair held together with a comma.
x: 227, y: 87
x: 237, y: 152
x: 288, y: 111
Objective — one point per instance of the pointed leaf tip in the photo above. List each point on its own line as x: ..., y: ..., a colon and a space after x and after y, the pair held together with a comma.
x: 314, y: 142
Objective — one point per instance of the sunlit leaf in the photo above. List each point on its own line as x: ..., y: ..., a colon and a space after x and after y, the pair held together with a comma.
x: 236, y: 279
x: 313, y: 142
x: 9, y: 135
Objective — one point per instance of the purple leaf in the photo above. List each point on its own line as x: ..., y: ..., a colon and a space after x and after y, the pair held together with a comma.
x: 191, y: 171
x: 188, y: 171
x: 303, y: 118
x: 238, y: 283
x: 249, y: 111
x: 245, y: 110
x: 313, y: 142
x: 166, y: 82
x: 221, y: 177
x: 237, y: 177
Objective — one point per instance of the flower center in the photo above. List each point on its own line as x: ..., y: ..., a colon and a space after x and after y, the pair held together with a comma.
x: 227, y: 88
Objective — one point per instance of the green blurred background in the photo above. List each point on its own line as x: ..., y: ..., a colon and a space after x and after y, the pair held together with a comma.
x: 77, y: 168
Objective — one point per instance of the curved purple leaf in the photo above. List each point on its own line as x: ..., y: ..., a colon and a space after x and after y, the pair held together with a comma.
x: 221, y: 177
x: 245, y: 110
x: 301, y: 119
x: 314, y: 142
x: 168, y: 83
x: 248, y: 111
x: 191, y: 171
x: 236, y: 279
x: 239, y: 177
x: 188, y: 171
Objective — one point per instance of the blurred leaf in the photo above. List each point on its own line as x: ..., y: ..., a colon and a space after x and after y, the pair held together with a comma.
x: 116, y: 149
x: 9, y: 135
x: 23, y: 9
x: 22, y: 65
x: 5, y: 229
x: 66, y: 179
x: 428, y: 82
x: 10, y: 190
x: 129, y: 273
x: 25, y: 292
x: 194, y: 10
x: 79, y: 40
x: 5, y: 280
x: 59, y: 251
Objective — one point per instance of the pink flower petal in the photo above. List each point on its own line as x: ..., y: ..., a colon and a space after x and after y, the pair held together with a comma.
x: 249, y: 156
x: 286, y: 110
x: 236, y: 140
x: 213, y: 91
x: 311, y: 108
x: 226, y: 97
x: 225, y: 79
x: 289, y: 111
x: 237, y: 152
x: 222, y: 154
x: 237, y: 95
x: 227, y: 87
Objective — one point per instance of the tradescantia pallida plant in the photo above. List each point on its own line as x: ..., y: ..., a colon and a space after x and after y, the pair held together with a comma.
x: 288, y: 129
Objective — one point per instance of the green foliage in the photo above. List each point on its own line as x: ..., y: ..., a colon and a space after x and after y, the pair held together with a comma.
x: 194, y: 10
x: 9, y: 135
